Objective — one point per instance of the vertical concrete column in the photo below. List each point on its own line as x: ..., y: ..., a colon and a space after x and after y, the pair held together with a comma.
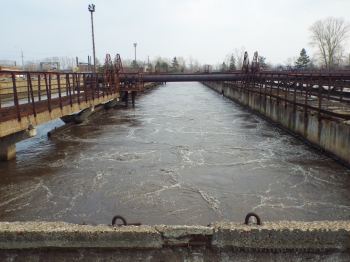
x: 7, y: 152
x: 126, y: 98
x: 133, y: 94
x: 8, y: 143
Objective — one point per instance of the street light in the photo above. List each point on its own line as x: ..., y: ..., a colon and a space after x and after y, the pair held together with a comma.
x: 22, y: 57
x: 92, y: 9
x: 135, y: 44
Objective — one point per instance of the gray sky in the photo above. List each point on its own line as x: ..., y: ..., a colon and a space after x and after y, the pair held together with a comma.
x: 205, y: 29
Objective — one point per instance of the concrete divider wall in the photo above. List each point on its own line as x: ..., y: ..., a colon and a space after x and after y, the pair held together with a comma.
x: 286, y: 235
x: 283, y: 235
x: 329, y: 135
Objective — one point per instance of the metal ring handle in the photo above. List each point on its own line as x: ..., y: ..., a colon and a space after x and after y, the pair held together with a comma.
x: 252, y: 214
x: 121, y: 218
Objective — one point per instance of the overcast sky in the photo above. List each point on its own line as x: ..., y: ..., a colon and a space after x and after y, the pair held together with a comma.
x: 205, y: 29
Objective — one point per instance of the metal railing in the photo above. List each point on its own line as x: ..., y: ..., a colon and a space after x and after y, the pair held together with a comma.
x: 26, y: 93
x: 325, y: 93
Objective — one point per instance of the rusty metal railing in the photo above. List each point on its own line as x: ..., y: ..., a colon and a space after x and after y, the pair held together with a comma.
x: 26, y: 93
x: 327, y: 93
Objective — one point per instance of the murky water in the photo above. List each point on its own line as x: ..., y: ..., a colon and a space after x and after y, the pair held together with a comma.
x: 184, y: 155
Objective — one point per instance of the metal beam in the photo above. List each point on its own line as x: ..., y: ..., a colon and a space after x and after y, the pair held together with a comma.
x: 276, y: 76
x: 182, y: 77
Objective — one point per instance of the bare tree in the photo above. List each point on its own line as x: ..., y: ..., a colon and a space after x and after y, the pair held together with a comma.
x: 196, y: 65
x: 328, y: 36
x: 239, y: 53
x: 126, y: 62
x: 290, y: 61
x: 313, y: 63
x: 6, y: 62
x: 182, y: 63
x: 62, y: 62
x: 341, y: 57
x: 31, y: 66
x: 217, y: 66
x: 191, y: 63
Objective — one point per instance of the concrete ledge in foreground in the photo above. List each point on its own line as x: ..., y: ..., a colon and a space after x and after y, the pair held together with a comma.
x: 279, y: 235
x: 283, y: 236
x: 32, y: 235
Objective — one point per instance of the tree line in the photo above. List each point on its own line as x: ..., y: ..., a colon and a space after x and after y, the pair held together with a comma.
x: 177, y: 64
x: 329, y: 38
x: 66, y: 63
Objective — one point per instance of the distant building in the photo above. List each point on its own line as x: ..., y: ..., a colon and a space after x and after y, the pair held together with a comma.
x: 82, y: 67
x: 10, y: 68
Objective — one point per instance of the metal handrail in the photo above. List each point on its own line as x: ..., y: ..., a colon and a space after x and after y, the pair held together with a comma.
x: 35, y: 92
x: 26, y: 92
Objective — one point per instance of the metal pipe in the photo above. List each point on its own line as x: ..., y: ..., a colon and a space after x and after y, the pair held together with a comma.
x: 195, y: 77
x: 180, y: 78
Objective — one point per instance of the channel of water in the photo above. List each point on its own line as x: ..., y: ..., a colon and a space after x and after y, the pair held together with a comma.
x: 184, y: 155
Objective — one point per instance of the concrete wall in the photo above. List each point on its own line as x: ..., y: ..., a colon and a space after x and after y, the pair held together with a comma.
x: 219, y: 241
x: 329, y: 135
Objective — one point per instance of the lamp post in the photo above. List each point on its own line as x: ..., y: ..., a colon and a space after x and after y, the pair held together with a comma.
x: 92, y: 9
x: 135, y: 44
x: 22, y: 57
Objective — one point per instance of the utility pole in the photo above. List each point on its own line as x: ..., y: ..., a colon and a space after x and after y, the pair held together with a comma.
x: 92, y: 10
x: 22, y: 57
x: 135, y: 44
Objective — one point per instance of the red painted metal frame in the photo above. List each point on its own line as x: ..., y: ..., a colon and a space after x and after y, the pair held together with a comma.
x: 26, y: 98
x: 302, y: 85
